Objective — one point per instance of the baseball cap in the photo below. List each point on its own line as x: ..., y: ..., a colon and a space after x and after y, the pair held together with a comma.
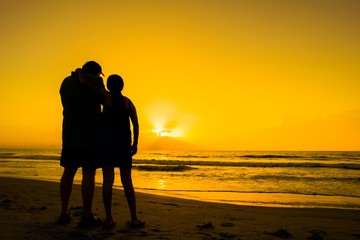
x: 92, y: 67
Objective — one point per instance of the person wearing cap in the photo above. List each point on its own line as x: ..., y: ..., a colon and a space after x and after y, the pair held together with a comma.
x: 81, y: 116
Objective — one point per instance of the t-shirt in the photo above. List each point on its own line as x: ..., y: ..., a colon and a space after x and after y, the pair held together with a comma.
x: 81, y: 112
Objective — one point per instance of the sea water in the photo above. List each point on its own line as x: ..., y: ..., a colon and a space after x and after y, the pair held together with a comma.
x: 283, y: 179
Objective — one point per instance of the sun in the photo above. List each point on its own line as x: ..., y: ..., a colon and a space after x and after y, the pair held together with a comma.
x: 167, y: 121
x: 161, y: 132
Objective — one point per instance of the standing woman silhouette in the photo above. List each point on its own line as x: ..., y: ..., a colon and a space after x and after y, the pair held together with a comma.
x: 117, y: 145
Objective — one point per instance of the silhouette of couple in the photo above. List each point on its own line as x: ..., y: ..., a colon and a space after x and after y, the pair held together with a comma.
x: 93, y: 138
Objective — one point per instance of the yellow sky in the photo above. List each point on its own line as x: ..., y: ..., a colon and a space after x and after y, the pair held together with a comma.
x: 226, y: 75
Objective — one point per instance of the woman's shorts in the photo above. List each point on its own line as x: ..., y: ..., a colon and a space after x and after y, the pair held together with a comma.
x: 115, y: 157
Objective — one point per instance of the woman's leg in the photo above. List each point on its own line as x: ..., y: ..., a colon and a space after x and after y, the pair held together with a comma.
x: 126, y: 181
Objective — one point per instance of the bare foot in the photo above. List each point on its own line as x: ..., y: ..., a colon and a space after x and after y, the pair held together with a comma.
x: 109, y: 223
x: 137, y: 223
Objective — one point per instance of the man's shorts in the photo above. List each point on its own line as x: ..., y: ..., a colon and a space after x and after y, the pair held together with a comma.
x: 86, y: 158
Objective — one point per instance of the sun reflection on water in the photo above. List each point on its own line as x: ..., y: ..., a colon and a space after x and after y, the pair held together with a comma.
x: 162, y: 184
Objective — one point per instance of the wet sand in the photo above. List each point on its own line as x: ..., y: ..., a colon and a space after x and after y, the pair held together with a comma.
x: 29, y: 210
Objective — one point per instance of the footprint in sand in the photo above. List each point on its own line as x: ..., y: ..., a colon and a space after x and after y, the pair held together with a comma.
x: 283, y: 233
x: 6, y: 203
x: 227, y: 224
x: 227, y: 235
x: 208, y: 225
x: 317, y: 234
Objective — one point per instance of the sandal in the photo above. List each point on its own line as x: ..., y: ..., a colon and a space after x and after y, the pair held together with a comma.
x: 64, y: 219
x: 90, y: 221
x: 136, y: 223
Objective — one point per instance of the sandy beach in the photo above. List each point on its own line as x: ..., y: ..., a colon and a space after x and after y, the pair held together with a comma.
x: 29, y: 209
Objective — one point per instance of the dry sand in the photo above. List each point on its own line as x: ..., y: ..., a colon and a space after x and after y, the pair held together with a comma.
x: 29, y: 209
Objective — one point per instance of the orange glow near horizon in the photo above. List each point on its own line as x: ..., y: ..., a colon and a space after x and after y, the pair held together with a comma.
x: 223, y: 75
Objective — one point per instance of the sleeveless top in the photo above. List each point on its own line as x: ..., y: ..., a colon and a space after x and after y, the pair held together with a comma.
x: 115, y: 125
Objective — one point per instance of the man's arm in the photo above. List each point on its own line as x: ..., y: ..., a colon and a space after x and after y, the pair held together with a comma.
x: 101, y: 93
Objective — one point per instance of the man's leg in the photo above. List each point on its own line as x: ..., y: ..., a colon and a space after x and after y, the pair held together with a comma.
x: 108, y: 182
x: 66, y: 184
x: 87, y: 190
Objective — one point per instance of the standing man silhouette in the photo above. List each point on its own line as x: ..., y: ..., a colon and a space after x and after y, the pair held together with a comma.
x: 81, y: 116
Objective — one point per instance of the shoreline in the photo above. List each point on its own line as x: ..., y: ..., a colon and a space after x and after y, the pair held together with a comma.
x: 29, y: 208
x: 288, y: 200
x: 281, y: 200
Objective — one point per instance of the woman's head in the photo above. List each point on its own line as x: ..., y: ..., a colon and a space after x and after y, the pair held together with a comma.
x: 115, y: 83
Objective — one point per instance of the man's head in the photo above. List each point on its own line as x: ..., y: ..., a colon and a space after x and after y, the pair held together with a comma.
x: 92, y: 68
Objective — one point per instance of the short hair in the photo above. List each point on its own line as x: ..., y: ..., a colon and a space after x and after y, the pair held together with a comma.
x: 115, y: 83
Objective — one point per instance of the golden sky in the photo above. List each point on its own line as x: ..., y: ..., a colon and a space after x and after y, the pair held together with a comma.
x: 221, y: 75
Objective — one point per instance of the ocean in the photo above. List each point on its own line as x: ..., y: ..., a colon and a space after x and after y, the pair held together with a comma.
x: 261, y: 178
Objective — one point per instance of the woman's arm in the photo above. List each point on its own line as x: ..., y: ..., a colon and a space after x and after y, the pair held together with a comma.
x: 135, y: 123
x: 102, y: 94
